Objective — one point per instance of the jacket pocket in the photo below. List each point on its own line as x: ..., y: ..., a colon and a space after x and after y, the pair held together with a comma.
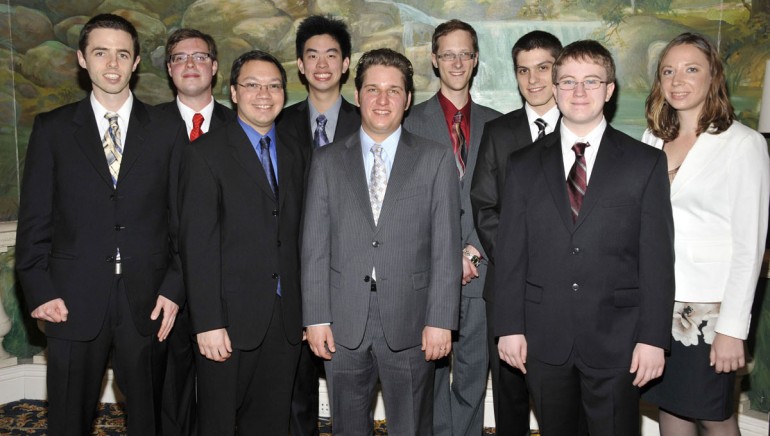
x: 420, y: 280
x: 533, y: 293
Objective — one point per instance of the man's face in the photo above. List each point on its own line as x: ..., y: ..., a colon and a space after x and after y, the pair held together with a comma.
x: 455, y: 75
x: 383, y: 100
x: 191, y: 78
x: 109, y: 60
x: 322, y: 63
x: 258, y: 104
x: 533, y: 75
x: 581, y: 109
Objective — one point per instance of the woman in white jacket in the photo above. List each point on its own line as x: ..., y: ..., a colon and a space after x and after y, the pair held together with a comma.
x: 720, y: 188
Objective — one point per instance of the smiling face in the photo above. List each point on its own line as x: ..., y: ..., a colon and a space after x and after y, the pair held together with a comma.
x: 582, y: 109
x: 258, y: 107
x: 455, y: 75
x: 533, y: 75
x: 110, y: 60
x: 383, y: 100
x: 192, y: 79
x: 685, y: 78
x: 322, y: 63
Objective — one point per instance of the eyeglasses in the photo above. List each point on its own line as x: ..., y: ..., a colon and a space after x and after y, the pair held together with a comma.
x: 181, y: 58
x: 588, y: 84
x: 273, y: 88
x: 451, y: 56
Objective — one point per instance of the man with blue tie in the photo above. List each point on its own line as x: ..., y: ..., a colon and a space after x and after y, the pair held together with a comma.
x: 241, y: 196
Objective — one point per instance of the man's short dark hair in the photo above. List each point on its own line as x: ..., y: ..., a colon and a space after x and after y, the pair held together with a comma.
x: 180, y: 35
x: 387, y: 58
x: 449, y: 27
x: 536, y: 39
x: 108, y: 21
x: 256, y: 55
x: 315, y: 25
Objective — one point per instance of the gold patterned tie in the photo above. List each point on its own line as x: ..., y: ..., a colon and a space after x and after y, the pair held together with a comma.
x: 112, y: 144
x: 378, y: 182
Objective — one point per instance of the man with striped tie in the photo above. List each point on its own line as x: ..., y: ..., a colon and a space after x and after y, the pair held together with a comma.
x: 96, y: 237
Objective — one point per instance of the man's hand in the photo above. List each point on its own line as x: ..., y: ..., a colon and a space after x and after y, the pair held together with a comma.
x: 470, y: 271
x: 436, y: 342
x: 169, y: 309
x: 513, y: 350
x: 51, y: 311
x: 647, y: 362
x: 321, y: 341
x: 727, y: 354
x: 215, y: 345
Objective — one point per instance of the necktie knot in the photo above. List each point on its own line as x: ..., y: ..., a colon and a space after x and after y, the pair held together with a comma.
x: 196, y: 131
x: 264, y: 143
x: 579, y: 148
x: 541, y: 125
x: 321, y: 121
x: 112, y: 117
x: 458, y: 118
x: 376, y: 150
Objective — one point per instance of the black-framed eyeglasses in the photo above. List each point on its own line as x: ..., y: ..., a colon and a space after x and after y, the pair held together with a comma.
x: 588, y: 84
x: 273, y: 88
x: 452, y: 56
x: 181, y: 58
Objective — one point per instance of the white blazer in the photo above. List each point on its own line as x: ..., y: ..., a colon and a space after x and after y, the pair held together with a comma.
x: 720, y: 199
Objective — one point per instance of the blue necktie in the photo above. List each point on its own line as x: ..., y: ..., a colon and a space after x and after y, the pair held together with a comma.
x: 319, y: 136
x: 267, y: 164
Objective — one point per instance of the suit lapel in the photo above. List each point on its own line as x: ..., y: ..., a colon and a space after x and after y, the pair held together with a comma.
x: 135, y: 143
x: 356, y: 174
x: 603, y: 174
x: 246, y: 156
x: 403, y: 167
x: 705, y: 149
x: 89, y: 140
x: 218, y: 116
x: 520, y: 127
x: 553, y: 168
x: 348, y: 120
x: 286, y: 162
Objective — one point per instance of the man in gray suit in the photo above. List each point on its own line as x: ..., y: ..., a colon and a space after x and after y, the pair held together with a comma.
x: 453, y: 119
x: 381, y: 275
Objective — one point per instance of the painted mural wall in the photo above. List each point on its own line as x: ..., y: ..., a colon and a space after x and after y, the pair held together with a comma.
x: 39, y: 71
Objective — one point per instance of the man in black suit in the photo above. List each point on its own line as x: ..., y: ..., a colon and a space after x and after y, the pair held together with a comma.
x: 191, y: 59
x: 585, y: 261
x: 241, y: 194
x: 323, y: 59
x: 533, y: 57
x: 95, y: 242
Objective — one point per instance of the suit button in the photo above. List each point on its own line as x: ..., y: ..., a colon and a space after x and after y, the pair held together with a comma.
x: 462, y: 212
x: 275, y: 212
x: 109, y: 259
x: 367, y: 278
x: 375, y: 244
x: 279, y: 243
x: 576, y: 250
x: 575, y: 286
x: 113, y: 197
x: 274, y: 276
x: 118, y: 227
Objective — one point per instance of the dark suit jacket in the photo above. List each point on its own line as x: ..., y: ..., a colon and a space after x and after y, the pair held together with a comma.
x: 413, y: 246
x: 602, y: 284
x: 219, y: 117
x: 236, y: 240
x: 294, y: 122
x: 72, y: 220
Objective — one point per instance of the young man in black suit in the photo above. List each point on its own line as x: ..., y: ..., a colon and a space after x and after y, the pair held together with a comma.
x: 323, y: 59
x: 96, y: 237
x: 533, y: 57
x: 241, y: 195
x: 585, y: 261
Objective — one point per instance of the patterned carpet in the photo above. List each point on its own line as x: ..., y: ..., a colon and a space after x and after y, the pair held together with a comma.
x: 28, y: 417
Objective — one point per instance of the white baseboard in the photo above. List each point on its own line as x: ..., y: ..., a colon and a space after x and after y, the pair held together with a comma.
x: 27, y: 381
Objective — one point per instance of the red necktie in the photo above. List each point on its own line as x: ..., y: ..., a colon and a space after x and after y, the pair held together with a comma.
x: 577, y: 181
x: 196, y: 131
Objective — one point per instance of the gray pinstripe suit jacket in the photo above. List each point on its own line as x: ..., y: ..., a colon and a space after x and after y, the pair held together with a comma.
x: 413, y: 247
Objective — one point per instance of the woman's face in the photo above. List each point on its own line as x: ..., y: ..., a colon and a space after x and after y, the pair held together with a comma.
x: 685, y: 78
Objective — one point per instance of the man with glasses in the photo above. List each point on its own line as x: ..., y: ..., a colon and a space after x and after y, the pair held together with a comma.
x: 191, y: 59
x: 584, y: 281
x: 452, y: 118
x: 241, y: 196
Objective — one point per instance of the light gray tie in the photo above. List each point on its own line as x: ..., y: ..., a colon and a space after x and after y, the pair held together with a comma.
x: 378, y: 182
x: 112, y: 144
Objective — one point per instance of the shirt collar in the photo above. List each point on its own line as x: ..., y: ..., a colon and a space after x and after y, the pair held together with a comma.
x: 255, y: 137
x: 389, y: 145
x: 124, y: 112
x: 332, y: 115
x: 594, y: 137
x: 450, y: 110
x: 187, y: 112
x: 551, y: 117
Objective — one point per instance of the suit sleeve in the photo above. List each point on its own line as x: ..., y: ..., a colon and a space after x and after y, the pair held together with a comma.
x: 656, y: 259
x: 173, y: 283
x: 748, y: 184
x: 35, y: 228
x: 484, y: 194
x: 200, y: 242
x: 316, y: 246
x: 443, y: 308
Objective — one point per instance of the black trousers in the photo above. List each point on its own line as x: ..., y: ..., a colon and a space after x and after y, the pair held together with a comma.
x: 178, y: 407
x: 304, y: 399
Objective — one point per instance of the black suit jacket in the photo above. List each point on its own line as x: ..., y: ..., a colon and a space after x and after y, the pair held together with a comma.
x: 502, y: 136
x: 237, y: 240
x: 294, y: 122
x: 72, y: 220
x: 602, y: 284
x: 219, y: 117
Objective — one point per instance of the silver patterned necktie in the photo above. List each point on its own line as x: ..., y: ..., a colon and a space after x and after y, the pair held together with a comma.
x: 112, y: 146
x: 378, y: 182
x: 541, y: 125
x: 319, y: 136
